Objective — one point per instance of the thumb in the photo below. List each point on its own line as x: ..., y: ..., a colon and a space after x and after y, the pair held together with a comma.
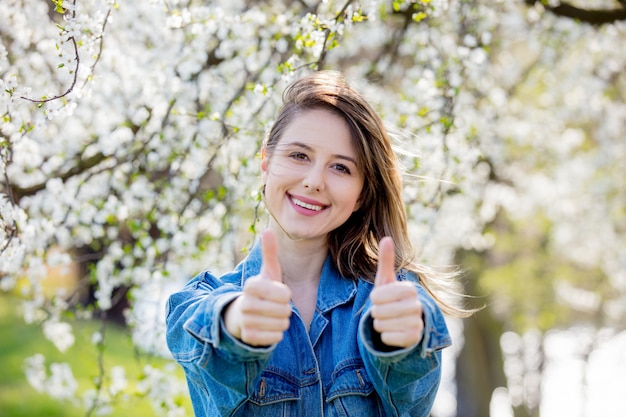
x: 386, y: 255
x: 270, y: 269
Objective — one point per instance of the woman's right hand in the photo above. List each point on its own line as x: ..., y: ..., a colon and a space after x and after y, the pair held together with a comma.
x: 260, y: 315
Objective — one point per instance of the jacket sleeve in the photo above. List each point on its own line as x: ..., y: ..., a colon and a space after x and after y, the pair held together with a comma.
x: 219, y: 368
x: 407, y: 379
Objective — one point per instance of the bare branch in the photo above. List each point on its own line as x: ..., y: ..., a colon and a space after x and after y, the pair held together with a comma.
x: 594, y: 17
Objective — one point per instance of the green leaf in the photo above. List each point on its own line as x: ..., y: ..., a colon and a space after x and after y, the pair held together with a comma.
x: 418, y: 17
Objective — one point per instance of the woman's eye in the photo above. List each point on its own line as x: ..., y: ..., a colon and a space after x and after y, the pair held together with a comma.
x: 342, y: 168
x: 299, y: 156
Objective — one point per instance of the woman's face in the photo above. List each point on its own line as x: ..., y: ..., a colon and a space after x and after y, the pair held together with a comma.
x: 312, y: 177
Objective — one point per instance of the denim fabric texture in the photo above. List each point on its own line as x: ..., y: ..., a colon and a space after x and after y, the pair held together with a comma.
x: 335, y: 369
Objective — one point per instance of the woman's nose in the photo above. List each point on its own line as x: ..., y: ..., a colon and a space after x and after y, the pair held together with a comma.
x: 314, y: 179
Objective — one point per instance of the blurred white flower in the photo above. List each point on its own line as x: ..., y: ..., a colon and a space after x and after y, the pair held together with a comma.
x: 118, y: 380
x: 59, y: 333
x: 61, y: 384
x: 35, y: 369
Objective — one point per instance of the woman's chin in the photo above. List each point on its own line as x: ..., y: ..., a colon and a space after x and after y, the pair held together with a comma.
x: 297, y: 234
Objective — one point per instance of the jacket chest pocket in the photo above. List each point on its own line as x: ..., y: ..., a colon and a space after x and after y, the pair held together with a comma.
x: 352, y: 394
x: 273, y: 388
x: 274, y: 396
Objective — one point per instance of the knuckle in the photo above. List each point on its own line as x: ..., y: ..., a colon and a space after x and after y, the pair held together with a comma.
x: 389, y: 339
x: 248, y: 335
x: 377, y: 326
x: 249, y: 305
x: 413, y: 307
x: 277, y: 338
x: 375, y: 294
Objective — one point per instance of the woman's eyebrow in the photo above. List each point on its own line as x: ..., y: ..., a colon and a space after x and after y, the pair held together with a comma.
x: 311, y: 149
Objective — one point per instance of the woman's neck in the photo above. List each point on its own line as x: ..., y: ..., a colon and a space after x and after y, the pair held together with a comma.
x: 302, y: 260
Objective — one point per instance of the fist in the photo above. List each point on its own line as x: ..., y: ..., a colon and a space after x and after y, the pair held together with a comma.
x: 396, y: 309
x: 260, y: 315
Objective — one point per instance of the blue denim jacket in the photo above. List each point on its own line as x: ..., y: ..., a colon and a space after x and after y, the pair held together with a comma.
x: 333, y: 370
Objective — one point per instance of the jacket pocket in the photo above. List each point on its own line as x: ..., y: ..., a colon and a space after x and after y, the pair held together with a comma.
x: 273, y: 387
x: 351, y: 392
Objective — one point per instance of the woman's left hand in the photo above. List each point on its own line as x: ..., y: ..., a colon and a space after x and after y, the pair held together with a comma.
x: 396, y: 310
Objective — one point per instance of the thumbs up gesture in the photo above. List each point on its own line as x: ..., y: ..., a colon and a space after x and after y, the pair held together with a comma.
x: 260, y: 315
x: 396, y: 309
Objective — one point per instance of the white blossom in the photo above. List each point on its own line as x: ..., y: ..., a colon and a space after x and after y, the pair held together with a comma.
x: 119, y: 382
x: 35, y: 368
x: 59, y: 333
x: 61, y: 383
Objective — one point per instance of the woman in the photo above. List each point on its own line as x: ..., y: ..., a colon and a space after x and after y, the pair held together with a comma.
x: 328, y: 315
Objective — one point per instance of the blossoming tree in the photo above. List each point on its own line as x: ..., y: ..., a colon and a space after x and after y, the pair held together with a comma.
x: 130, y: 133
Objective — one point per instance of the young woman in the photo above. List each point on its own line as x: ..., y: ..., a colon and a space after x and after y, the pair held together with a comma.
x: 328, y: 315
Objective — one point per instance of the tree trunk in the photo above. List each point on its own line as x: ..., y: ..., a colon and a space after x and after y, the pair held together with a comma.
x: 479, y: 367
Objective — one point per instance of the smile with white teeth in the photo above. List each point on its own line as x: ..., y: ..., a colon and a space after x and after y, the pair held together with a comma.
x: 306, y: 205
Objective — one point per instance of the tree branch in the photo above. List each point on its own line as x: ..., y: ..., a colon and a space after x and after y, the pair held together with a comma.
x: 338, y: 17
x: 100, y: 47
x: 82, y: 166
x: 10, y: 230
x: 594, y: 17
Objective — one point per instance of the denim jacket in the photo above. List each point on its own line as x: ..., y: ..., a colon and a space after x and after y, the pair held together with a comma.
x: 335, y: 369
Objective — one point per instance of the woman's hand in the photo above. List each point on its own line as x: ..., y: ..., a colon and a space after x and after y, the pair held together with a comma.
x: 260, y: 315
x: 396, y: 310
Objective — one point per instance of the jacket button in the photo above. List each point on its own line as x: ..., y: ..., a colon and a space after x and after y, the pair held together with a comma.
x: 360, y: 377
x: 262, y: 388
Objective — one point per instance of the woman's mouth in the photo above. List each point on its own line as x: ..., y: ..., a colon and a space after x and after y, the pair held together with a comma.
x: 308, y: 206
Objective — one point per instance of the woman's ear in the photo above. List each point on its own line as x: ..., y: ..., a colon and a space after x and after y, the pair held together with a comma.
x: 264, y: 163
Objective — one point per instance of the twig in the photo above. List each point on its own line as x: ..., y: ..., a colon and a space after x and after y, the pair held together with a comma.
x: 71, y: 88
x: 100, y: 47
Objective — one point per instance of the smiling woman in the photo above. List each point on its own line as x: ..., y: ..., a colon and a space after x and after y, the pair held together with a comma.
x: 313, y: 181
x: 328, y: 314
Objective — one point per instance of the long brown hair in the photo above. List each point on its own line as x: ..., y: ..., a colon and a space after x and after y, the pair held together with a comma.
x: 354, y: 245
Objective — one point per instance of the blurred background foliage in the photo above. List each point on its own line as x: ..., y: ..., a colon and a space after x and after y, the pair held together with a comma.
x: 20, y: 341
